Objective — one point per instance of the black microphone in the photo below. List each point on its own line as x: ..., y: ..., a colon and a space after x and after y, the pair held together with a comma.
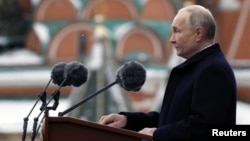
x: 57, y: 74
x: 73, y: 73
x: 77, y: 74
x: 56, y: 69
x: 130, y: 76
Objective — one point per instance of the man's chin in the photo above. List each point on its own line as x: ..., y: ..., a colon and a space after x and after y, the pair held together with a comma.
x: 178, y: 52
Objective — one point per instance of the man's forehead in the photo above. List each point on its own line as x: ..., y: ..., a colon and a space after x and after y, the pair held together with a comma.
x: 180, y: 18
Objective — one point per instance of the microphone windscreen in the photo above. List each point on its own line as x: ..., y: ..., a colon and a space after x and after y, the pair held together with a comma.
x: 131, y: 76
x: 76, y: 73
x: 57, y: 74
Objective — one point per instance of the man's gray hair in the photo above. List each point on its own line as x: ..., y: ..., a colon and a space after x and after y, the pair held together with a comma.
x: 201, y: 16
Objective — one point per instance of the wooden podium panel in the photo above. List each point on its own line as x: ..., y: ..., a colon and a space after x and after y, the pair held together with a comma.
x: 72, y: 129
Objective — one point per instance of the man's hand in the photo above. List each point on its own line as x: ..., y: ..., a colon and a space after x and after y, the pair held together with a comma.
x: 148, y: 131
x: 114, y: 120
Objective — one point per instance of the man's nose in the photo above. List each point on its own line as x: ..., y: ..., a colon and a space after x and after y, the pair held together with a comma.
x: 172, y: 39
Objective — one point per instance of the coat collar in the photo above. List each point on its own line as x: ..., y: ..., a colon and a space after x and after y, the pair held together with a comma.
x: 214, y: 48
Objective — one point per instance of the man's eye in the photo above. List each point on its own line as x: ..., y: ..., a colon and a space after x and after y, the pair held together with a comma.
x: 175, y: 30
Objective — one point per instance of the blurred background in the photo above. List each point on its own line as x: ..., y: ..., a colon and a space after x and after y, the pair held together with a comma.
x: 103, y: 34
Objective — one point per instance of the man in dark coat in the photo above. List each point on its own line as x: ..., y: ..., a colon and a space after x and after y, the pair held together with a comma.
x: 201, y: 92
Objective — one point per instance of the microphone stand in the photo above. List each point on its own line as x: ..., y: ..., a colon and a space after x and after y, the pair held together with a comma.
x: 55, y: 96
x: 86, y: 99
x: 42, y: 97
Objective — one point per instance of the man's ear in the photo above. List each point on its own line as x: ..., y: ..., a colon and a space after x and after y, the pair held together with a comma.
x: 199, y: 33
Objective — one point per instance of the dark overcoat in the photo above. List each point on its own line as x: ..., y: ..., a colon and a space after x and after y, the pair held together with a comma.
x: 201, y: 94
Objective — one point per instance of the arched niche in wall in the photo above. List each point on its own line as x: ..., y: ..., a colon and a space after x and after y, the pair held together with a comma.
x: 110, y: 9
x: 140, y: 43
x: 51, y: 10
x: 65, y: 44
x: 158, y: 10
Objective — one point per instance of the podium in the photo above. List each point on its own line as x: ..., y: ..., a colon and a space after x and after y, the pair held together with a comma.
x: 72, y: 129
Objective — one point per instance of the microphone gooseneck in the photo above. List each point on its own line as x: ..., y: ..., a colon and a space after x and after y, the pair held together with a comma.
x: 56, y: 74
x: 55, y: 96
x: 85, y: 100
x: 42, y: 97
